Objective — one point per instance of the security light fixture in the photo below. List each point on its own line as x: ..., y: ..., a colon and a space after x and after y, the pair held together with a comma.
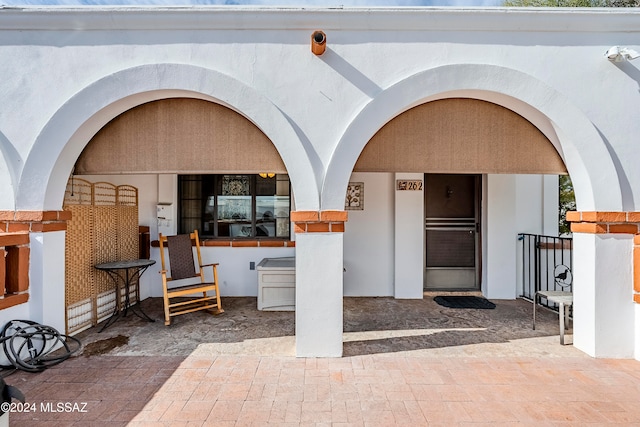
x: 619, y: 54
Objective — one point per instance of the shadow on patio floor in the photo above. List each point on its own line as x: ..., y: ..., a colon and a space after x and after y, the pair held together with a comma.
x: 371, y: 326
x: 407, y: 362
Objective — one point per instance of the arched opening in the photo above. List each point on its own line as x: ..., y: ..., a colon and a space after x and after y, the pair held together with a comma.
x: 456, y: 152
x: 572, y: 134
x: 42, y: 181
x: 448, y: 185
x: 209, y: 168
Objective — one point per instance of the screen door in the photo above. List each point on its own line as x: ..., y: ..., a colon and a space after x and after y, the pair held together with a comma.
x: 452, y: 226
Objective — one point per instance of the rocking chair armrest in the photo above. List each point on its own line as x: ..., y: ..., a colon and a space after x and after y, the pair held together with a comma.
x: 210, y: 265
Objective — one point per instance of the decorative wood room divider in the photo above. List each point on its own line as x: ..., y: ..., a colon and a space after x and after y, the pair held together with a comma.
x: 103, y: 228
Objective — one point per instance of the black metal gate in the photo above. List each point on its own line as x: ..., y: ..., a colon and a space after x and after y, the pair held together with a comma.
x: 547, y: 264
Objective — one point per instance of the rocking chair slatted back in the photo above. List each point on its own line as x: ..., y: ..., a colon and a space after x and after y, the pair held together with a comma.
x: 181, y: 256
x: 181, y: 266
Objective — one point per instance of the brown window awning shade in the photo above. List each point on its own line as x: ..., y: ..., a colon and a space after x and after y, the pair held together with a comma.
x: 460, y: 135
x: 181, y: 135
x: 184, y: 135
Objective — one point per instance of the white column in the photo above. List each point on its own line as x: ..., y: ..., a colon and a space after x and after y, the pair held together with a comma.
x: 500, y: 237
x: 409, y: 240
x: 319, y: 270
x: 604, y: 312
x: 46, y: 278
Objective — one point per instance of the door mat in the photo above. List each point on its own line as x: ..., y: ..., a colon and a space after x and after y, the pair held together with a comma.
x: 459, y: 301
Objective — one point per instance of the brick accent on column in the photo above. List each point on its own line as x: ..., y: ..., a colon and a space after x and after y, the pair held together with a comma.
x: 589, y: 227
x: 599, y: 222
x: 17, y: 269
x: 15, y: 227
x: 3, y: 272
x: 623, y: 228
x: 304, y: 216
x: 334, y: 216
x: 328, y: 221
x: 33, y: 221
x: 14, y: 269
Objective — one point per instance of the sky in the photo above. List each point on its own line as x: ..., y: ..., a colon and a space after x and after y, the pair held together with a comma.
x: 315, y: 3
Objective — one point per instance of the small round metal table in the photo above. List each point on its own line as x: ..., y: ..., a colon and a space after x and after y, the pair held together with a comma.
x: 126, y: 273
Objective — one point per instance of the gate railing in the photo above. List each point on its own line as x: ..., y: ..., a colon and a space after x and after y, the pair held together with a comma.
x: 547, y: 264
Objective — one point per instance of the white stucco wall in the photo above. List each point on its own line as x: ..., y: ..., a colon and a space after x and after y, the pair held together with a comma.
x: 603, y: 313
x: 234, y: 272
x: 529, y: 204
x: 368, y: 239
x: 550, y: 198
x: 340, y: 85
x: 320, y: 111
x: 537, y: 199
x: 514, y: 204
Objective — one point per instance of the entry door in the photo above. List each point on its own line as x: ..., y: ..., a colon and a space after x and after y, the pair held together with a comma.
x: 452, y: 207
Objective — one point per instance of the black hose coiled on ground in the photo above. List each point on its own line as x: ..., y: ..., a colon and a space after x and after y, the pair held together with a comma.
x: 32, y: 347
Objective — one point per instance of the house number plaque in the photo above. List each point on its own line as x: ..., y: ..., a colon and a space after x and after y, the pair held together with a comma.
x: 409, y: 185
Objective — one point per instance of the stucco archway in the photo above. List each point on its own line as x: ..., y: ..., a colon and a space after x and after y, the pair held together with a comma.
x: 9, y: 172
x: 43, y: 179
x: 574, y: 136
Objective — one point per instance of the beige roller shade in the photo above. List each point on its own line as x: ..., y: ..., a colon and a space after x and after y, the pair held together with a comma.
x: 460, y: 135
x: 179, y: 135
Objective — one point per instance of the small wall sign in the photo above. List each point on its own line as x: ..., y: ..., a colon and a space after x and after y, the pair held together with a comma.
x: 409, y: 185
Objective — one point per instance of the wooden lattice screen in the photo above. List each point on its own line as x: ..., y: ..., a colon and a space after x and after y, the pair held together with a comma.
x: 103, y: 228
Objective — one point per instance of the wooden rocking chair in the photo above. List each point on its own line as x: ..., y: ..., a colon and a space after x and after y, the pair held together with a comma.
x: 182, y: 299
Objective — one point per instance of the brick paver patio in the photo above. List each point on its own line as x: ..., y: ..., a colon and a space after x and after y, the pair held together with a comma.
x: 498, y: 372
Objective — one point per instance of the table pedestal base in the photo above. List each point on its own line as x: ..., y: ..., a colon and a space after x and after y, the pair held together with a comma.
x: 126, y: 273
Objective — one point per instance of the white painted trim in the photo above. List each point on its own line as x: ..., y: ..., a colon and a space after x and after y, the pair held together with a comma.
x: 337, y: 18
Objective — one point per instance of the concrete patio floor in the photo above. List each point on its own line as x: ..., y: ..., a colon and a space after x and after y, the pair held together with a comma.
x: 406, y: 362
